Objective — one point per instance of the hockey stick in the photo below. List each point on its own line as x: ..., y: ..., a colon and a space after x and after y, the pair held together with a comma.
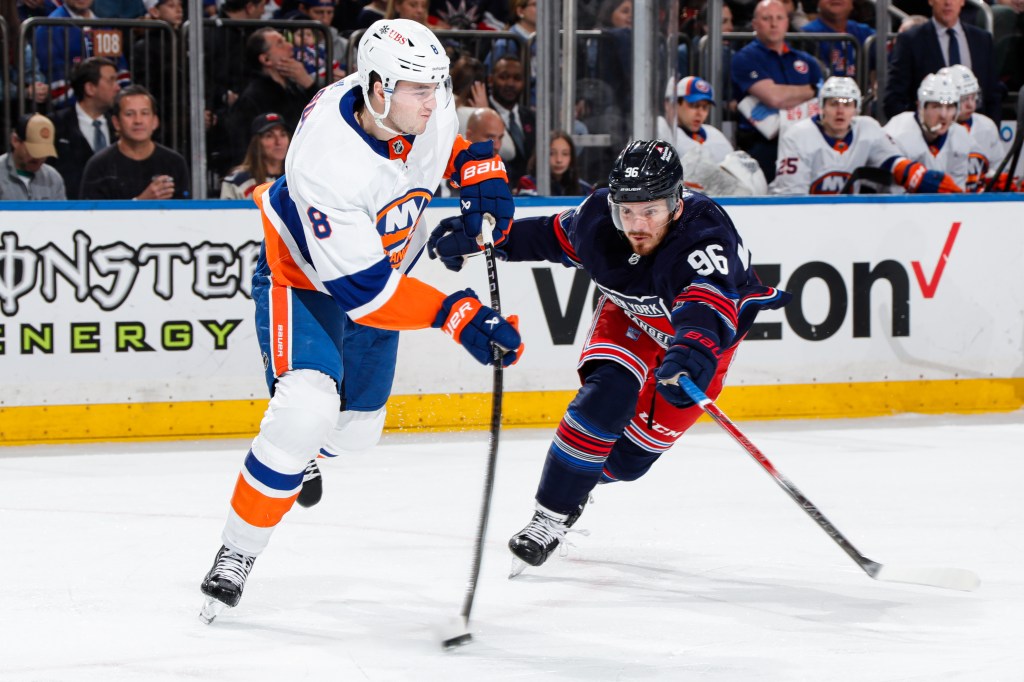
x: 461, y: 635
x: 1013, y: 156
x: 950, y: 578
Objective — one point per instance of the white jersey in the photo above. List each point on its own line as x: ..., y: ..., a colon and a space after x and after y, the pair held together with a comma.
x: 950, y: 158
x: 810, y: 163
x: 344, y: 219
x: 709, y: 138
x: 987, y: 149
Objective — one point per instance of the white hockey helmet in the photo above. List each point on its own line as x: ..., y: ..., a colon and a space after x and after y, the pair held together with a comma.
x: 937, y: 88
x: 839, y: 87
x: 964, y: 79
x: 399, y: 50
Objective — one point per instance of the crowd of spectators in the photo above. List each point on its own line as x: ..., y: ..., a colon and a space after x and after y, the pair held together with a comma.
x: 114, y: 96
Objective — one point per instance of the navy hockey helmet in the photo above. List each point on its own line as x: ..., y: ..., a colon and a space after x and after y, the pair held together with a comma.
x: 646, y: 170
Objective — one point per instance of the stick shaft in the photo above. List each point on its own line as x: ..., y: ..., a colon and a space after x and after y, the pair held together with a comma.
x: 492, y: 454
x: 867, y: 565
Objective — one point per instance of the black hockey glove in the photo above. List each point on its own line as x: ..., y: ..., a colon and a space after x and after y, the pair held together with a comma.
x: 695, y: 353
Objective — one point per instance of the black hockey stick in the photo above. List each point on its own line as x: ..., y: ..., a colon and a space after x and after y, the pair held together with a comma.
x: 461, y: 634
x: 1013, y: 156
x: 950, y: 578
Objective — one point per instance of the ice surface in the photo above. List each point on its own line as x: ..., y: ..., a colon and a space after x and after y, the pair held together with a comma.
x: 703, y: 570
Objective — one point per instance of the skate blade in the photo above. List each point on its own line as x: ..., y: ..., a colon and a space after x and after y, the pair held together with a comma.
x: 518, y: 566
x: 211, y: 609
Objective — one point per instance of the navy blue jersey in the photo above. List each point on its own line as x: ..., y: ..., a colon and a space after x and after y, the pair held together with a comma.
x: 699, y: 277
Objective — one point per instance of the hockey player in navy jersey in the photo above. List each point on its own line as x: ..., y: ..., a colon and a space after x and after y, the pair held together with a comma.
x: 679, y: 294
x: 341, y: 232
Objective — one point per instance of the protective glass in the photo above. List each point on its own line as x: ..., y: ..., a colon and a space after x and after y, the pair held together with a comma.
x: 651, y: 214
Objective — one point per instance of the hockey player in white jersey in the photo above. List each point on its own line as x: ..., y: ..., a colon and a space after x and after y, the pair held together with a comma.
x: 694, y: 99
x: 929, y: 135
x: 819, y: 155
x: 987, y: 148
x: 331, y: 288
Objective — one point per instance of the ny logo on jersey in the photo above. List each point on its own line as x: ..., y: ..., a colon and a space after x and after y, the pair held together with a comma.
x: 830, y: 183
x: 397, y: 221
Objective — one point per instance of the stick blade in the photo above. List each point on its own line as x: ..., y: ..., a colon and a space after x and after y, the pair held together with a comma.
x: 946, y: 578
x: 455, y: 633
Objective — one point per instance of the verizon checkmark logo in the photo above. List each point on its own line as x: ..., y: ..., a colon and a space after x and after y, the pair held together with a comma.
x: 928, y: 287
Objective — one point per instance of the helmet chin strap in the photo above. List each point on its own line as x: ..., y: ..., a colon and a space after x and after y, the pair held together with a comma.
x: 379, y: 118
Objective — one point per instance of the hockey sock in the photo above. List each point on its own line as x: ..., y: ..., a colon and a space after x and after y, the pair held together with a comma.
x: 585, y: 436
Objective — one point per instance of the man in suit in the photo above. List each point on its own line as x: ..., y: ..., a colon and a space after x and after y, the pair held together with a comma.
x: 942, y: 41
x: 84, y: 129
x: 507, y: 80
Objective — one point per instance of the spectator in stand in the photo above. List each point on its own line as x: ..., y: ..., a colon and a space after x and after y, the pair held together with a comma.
x: 931, y: 136
x: 699, y: 29
x: 151, y: 58
x: 135, y: 167
x: 37, y: 91
x: 485, y: 124
x: 834, y: 17
x: 414, y: 10
x: 120, y: 9
x: 768, y: 76
x: 485, y: 15
x: 375, y: 10
x: 693, y: 101
x: 24, y: 175
x: 33, y: 8
x: 943, y: 41
x: 323, y: 12
x: 279, y: 83
x: 506, y: 83
x: 85, y: 128
x: 60, y: 48
x: 524, y: 27
x: 469, y: 87
x: 226, y: 76
x: 264, y: 161
x: 565, y: 175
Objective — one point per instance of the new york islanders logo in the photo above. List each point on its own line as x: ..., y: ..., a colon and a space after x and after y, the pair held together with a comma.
x: 830, y: 183
x: 397, y: 222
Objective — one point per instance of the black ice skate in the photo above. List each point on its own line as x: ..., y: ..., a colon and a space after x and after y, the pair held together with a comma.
x: 224, y: 583
x: 312, y: 486
x: 535, y: 543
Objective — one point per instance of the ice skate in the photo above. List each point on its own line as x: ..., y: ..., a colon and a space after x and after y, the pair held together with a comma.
x: 546, y: 530
x: 312, y: 486
x: 224, y: 583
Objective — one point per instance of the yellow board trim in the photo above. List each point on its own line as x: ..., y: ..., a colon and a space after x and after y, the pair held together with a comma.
x: 471, y: 411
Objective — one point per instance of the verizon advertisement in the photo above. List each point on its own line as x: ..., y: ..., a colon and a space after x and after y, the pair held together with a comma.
x: 134, y: 306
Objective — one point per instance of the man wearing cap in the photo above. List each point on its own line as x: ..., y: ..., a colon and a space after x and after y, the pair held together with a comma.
x: 25, y: 176
x: 264, y: 160
x: 694, y: 99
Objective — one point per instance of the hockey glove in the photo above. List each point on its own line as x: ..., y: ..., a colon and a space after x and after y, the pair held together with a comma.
x: 693, y: 353
x: 483, y: 188
x: 914, y: 177
x: 478, y: 328
x: 449, y: 242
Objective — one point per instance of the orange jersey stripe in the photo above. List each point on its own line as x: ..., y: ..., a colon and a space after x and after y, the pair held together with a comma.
x: 280, y: 328
x: 414, y: 305
x: 280, y: 260
x: 257, y: 509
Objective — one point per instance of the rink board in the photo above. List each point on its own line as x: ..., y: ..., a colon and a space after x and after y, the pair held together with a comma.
x: 124, y: 323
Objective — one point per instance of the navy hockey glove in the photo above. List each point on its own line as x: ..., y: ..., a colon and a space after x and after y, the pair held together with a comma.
x: 693, y: 353
x: 483, y: 188
x: 449, y: 242
x: 478, y: 328
x: 914, y: 177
